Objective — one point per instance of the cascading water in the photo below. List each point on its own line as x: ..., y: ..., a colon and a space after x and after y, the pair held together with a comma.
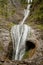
x: 19, y: 35
x: 26, y: 12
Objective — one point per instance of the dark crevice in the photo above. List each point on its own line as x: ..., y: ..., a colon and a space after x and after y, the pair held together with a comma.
x: 29, y: 45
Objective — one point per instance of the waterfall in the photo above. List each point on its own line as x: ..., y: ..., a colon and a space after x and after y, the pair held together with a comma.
x: 26, y: 12
x: 19, y: 35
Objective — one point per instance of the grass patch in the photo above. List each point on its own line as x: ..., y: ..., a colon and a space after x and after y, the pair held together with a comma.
x: 39, y: 27
x: 36, y: 13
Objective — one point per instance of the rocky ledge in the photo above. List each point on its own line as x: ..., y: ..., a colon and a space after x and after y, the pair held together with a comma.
x: 24, y: 62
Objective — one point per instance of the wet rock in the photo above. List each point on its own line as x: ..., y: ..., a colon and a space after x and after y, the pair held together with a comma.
x: 33, y: 62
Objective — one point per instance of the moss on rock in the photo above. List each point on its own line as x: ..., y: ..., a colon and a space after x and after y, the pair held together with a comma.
x: 29, y: 54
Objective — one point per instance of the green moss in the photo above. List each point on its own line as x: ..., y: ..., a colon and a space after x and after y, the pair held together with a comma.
x: 29, y: 54
x: 26, y: 55
x: 39, y: 27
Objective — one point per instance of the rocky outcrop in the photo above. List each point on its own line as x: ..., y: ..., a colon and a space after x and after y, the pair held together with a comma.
x: 4, y: 42
x: 29, y: 62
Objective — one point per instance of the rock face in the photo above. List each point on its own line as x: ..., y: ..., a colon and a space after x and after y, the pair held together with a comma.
x: 4, y: 41
x: 7, y: 49
x: 35, y: 62
x: 6, y: 44
x: 4, y: 35
x: 38, y: 45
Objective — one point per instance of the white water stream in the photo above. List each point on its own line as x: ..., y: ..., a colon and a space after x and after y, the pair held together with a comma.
x: 19, y: 35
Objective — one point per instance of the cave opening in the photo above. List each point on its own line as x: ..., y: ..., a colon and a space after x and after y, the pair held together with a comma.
x: 29, y: 45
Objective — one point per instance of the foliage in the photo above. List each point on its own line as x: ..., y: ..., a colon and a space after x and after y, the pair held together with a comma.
x: 23, y: 3
x: 5, y: 10
x: 36, y: 13
x: 40, y: 26
x: 3, y: 2
x: 3, y: 7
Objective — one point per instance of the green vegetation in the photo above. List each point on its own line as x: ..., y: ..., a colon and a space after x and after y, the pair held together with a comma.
x: 26, y: 55
x: 39, y: 27
x: 23, y: 3
x: 36, y: 14
x: 29, y: 54
x: 3, y: 7
x: 5, y: 10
